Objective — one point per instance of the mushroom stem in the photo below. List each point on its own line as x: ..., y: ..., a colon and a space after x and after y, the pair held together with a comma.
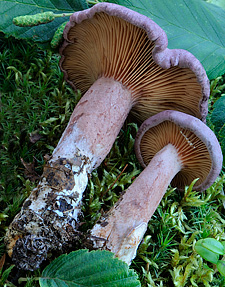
x: 49, y: 217
x: 123, y: 227
x: 95, y: 122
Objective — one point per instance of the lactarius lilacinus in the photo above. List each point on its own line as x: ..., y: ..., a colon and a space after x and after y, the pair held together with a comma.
x: 119, y: 60
x: 174, y: 148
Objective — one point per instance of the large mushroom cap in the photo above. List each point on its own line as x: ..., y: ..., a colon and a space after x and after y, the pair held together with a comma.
x: 109, y: 40
x: 196, y: 144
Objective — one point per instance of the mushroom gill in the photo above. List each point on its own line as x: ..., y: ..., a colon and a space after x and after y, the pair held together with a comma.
x: 108, y: 46
x: 192, y: 152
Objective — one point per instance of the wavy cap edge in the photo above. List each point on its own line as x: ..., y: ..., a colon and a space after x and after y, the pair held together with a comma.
x: 163, y: 56
x: 195, y: 125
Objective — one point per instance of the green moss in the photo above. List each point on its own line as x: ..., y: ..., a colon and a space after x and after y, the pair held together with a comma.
x: 180, y: 220
x: 35, y: 106
x: 32, y: 93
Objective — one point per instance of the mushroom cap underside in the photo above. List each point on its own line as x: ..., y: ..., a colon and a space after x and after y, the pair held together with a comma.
x: 109, y: 40
x: 196, y: 145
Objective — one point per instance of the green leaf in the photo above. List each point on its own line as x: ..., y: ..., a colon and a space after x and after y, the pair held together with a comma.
x: 218, y: 114
x: 221, y: 267
x: 83, y: 268
x: 193, y: 25
x: 4, y: 275
x: 218, y: 120
x: 207, y: 250
x: 207, y: 255
x: 42, y: 33
x: 213, y: 245
x: 220, y: 3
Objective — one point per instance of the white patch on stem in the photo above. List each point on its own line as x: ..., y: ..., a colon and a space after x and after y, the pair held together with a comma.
x: 129, y: 246
x: 40, y: 203
x: 73, y: 197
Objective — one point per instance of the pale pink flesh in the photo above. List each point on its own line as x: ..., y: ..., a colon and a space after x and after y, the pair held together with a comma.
x: 125, y: 224
x: 96, y: 121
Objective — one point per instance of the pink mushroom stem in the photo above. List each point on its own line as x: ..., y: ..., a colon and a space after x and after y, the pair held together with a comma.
x: 173, y: 147
x: 95, y: 122
x: 125, y: 224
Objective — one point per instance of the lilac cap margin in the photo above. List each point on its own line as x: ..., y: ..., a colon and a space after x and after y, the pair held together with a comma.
x: 193, y: 124
x: 162, y: 56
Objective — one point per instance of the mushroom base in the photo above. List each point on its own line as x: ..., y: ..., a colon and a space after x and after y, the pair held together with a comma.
x: 49, y: 218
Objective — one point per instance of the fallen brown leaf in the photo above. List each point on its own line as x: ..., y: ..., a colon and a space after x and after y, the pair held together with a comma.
x: 34, y: 137
x: 30, y: 172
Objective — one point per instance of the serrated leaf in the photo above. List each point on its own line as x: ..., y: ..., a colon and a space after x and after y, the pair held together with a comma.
x: 83, y: 268
x: 43, y: 33
x: 193, y: 25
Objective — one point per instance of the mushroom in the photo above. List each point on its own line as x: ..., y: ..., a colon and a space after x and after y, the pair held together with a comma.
x: 173, y: 147
x: 119, y: 60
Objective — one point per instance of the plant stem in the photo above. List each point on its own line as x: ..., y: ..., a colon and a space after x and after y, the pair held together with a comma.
x: 93, y: 2
x: 62, y: 15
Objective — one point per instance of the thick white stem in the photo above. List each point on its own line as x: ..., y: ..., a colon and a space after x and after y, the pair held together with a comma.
x: 49, y: 217
x: 123, y: 227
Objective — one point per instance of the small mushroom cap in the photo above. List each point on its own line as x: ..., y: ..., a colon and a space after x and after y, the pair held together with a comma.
x: 110, y: 40
x: 196, y: 144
